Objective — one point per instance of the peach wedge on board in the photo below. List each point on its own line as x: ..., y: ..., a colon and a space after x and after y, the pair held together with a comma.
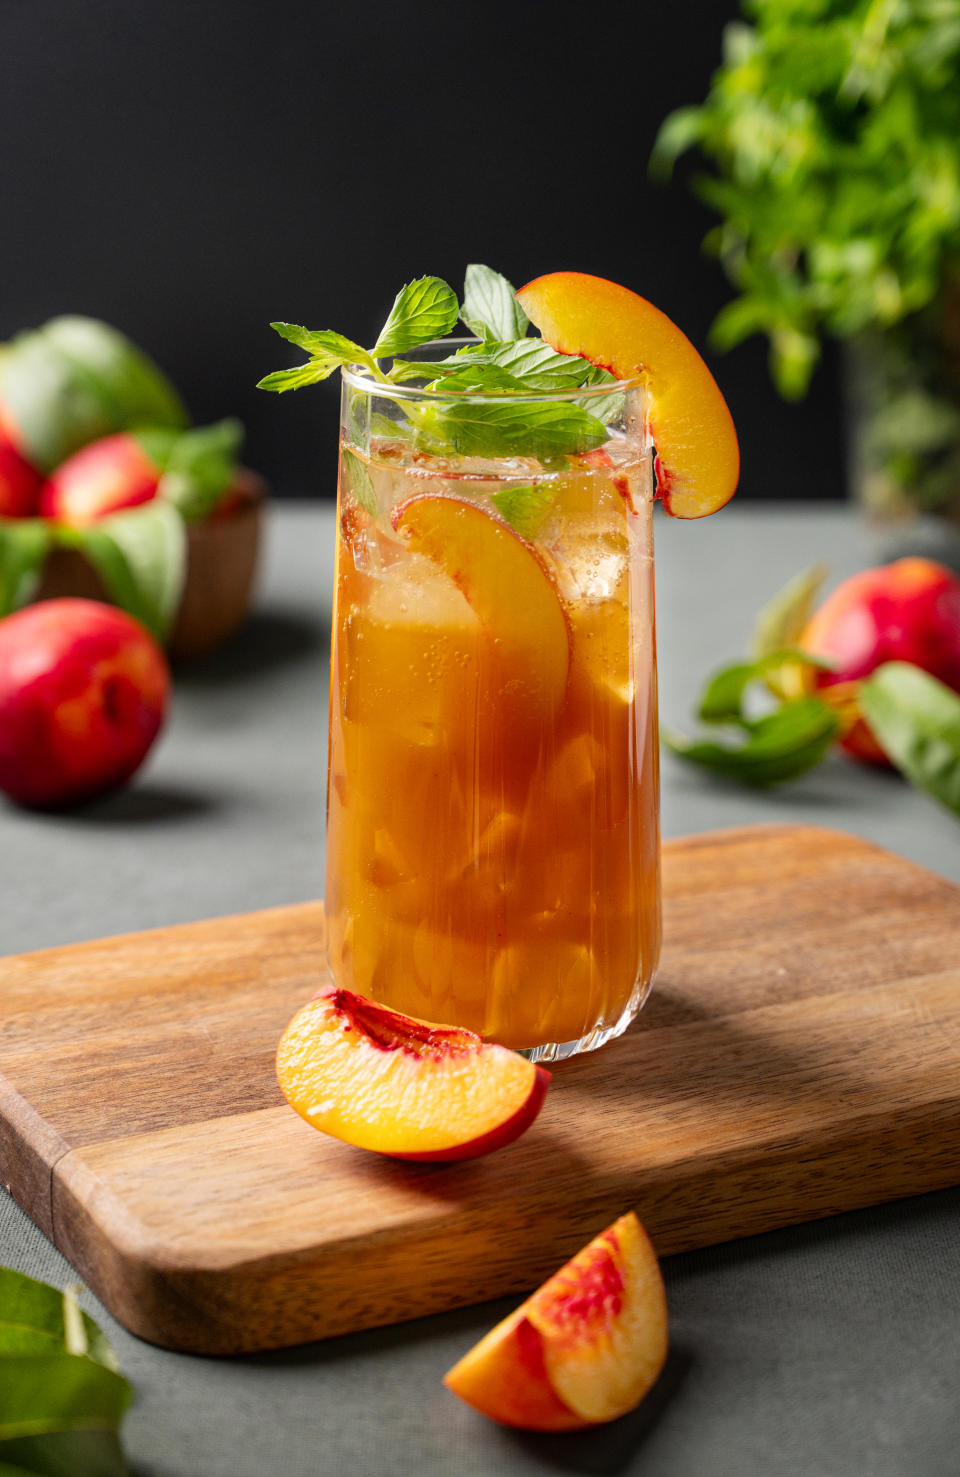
x: 584, y: 1349
x: 698, y: 459
x: 385, y: 1081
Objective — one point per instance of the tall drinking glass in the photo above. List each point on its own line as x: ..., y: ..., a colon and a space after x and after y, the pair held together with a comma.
x: 493, y: 806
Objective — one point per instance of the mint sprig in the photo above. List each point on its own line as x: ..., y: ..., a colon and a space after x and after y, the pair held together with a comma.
x: 490, y: 308
x: 504, y: 363
x: 916, y: 719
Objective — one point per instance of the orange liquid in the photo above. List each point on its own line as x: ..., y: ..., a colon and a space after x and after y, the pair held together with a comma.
x: 492, y: 840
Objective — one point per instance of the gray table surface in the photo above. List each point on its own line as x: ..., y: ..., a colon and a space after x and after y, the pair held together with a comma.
x: 817, y: 1351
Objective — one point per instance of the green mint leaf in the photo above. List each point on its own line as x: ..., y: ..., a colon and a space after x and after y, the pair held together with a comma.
x: 916, y: 720
x: 483, y: 379
x: 24, y: 544
x: 324, y: 342
x: 423, y: 310
x: 531, y: 360
x: 778, y: 748
x: 490, y: 309
x: 329, y: 351
x: 73, y: 1453
x: 199, y: 468
x: 389, y: 429
x: 722, y: 698
x: 524, y: 508
x: 527, y: 428
x: 141, y: 558
x: 360, y: 481
x: 310, y: 373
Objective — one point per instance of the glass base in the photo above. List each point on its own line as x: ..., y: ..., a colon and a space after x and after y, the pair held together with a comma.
x: 559, y: 1051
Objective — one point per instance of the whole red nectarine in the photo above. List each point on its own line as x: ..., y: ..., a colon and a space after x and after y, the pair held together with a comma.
x: 907, y: 612
x: 83, y: 694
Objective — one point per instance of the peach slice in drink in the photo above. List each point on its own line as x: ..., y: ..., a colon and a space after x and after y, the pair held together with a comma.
x: 381, y: 1080
x: 505, y: 582
x: 585, y: 1348
x: 698, y: 459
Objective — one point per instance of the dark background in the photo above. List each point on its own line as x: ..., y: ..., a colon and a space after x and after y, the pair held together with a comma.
x: 192, y: 169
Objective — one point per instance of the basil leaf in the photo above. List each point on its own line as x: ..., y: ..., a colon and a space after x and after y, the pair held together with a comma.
x: 524, y: 508
x: 490, y: 309
x: 526, y: 428
x: 24, y: 544
x: 200, y: 466
x: 361, y: 483
x: 141, y: 557
x: 722, y: 698
x: 40, y: 1393
x: 423, y: 310
x: 916, y: 720
x: 778, y: 748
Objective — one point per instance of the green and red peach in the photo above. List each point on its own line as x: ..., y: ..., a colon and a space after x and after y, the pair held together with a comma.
x: 908, y: 611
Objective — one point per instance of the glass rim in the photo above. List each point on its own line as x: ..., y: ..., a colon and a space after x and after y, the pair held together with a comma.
x: 358, y: 377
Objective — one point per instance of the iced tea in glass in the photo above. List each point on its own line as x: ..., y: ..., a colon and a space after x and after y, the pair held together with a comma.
x: 492, y: 836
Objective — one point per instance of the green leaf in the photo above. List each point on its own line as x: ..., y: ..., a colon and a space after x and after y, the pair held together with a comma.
x: 24, y: 544
x: 916, y: 720
x: 526, y: 428
x: 783, y: 620
x: 490, y: 309
x: 141, y: 557
x: 481, y: 378
x: 65, y: 1454
x: 361, y: 483
x: 780, y: 747
x: 135, y: 390
x: 31, y: 1309
x: 310, y: 373
x: 722, y: 698
x: 200, y: 466
x: 323, y: 342
x: 59, y: 1410
x: 524, y: 508
x: 423, y: 310
x: 40, y: 1393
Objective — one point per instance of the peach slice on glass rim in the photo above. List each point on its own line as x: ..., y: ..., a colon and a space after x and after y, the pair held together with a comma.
x: 584, y: 1349
x: 381, y: 1080
x: 698, y: 459
x: 506, y: 584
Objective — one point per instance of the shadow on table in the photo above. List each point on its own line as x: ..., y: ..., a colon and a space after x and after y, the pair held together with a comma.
x: 270, y: 639
x: 607, y: 1450
x: 144, y: 803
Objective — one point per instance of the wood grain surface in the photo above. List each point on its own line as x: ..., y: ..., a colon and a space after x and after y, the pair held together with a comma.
x: 799, y: 1056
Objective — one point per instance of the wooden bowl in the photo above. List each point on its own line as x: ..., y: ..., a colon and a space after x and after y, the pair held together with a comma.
x: 221, y: 564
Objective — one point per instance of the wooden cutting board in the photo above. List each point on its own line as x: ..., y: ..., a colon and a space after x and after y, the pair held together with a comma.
x: 799, y: 1056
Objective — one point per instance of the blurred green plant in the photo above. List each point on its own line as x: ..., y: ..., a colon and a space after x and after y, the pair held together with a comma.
x: 834, y: 126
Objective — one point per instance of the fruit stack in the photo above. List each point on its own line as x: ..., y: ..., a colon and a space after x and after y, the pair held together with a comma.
x: 107, y: 492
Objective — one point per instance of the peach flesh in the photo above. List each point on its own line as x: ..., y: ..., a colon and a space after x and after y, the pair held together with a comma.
x: 698, y: 458
x: 392, y: 1083
x: 585, y: 1348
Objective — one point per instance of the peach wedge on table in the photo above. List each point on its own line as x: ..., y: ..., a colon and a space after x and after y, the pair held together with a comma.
x: 584, y: 1349
x: 385, y: 1081
x: 698, y: 459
